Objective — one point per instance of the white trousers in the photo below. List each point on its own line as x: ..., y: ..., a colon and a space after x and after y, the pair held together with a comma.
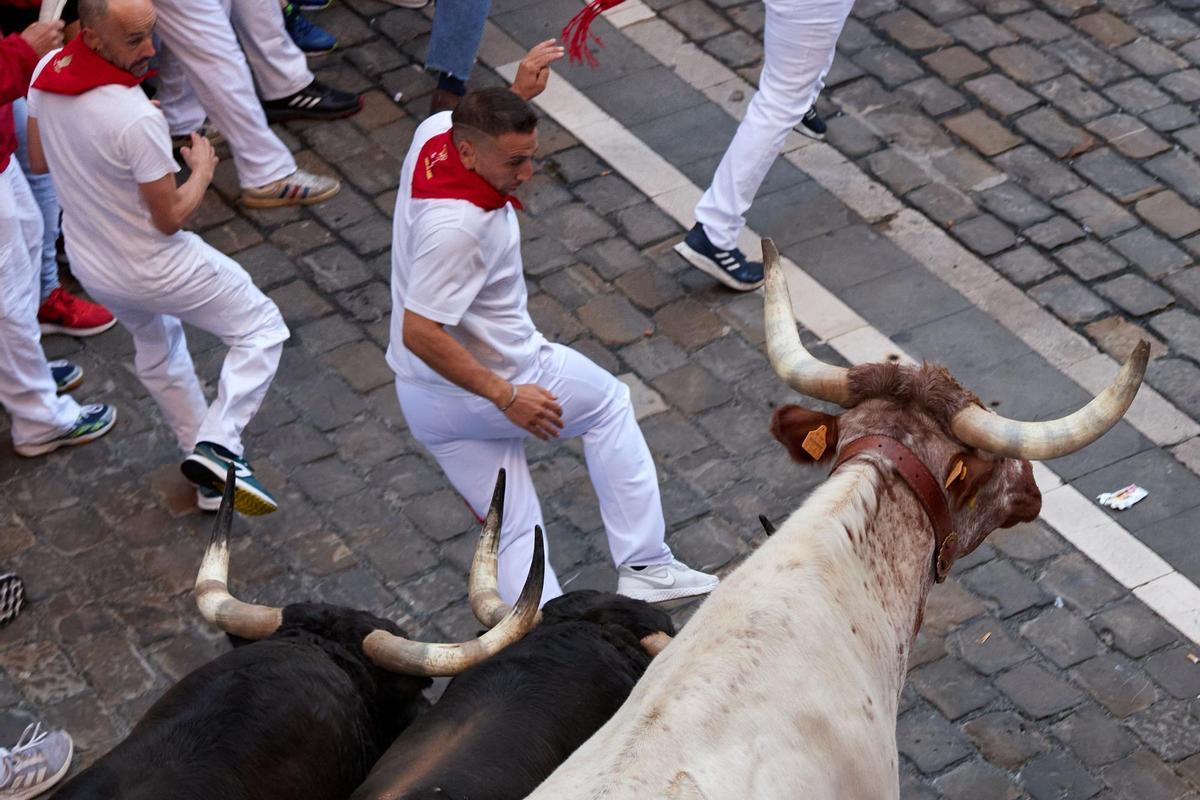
x: 201, y: 52
x: 218, y: 297
x: 27, y: 389
x: 799, y: 44
x: 472, y: 440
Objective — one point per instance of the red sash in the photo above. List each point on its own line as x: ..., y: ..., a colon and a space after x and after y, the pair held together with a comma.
x: 440, y: 175
x: 77, y: 69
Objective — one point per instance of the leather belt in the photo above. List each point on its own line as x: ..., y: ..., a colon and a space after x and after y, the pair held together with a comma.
x: 927, y: 489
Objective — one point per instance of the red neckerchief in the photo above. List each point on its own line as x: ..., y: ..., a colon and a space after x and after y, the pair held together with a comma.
x: 440, y: 175
x: 77, y: 69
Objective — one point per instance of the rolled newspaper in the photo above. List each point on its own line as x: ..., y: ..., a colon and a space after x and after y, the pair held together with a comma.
x: 51, y: 10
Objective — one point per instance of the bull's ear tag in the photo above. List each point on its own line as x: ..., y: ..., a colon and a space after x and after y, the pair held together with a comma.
x: 959, y: 472
x: 814, y: 443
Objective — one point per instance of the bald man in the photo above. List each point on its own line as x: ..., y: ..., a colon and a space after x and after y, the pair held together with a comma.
x: 109, y: 153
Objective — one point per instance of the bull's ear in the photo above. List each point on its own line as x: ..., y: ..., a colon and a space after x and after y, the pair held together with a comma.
x: 809, y: 436
x: 965, y: 476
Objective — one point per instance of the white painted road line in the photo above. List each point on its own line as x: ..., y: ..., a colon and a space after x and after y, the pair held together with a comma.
x: 1111, y: 547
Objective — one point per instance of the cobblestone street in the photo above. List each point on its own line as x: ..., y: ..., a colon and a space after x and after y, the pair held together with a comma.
x: 1054, y: 140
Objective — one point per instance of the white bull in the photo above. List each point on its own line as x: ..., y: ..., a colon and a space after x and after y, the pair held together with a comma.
x: 785, y: 684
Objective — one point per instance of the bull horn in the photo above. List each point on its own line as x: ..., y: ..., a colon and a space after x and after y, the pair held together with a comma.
x: 655, y: 643
x: 216, y: 604
x: 397, y: 654
x: 792, y: 362
x: 489, y: 608
x: 993, y: 433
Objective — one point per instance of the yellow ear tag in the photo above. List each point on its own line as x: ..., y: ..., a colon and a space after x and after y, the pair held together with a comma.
x: 959, y: 471
x: 814, y: 443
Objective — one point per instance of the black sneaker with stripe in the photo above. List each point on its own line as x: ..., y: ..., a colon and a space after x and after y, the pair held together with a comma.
x: 730, y: 267
x: 315, y: 101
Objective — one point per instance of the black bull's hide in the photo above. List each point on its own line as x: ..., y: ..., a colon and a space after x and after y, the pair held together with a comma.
x: 301, y: 715
x: 504, y: 725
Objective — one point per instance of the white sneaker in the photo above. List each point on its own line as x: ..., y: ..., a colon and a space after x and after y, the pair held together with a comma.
x: 658, y: 582
x: 298, y: 189
x: 35, y: 763
x: 206, y: 500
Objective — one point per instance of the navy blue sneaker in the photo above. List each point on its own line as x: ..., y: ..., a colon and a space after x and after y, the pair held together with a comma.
x: 811, y: 125
x: 67, y: 376
x: 311, y: 5
x: 207, y: 466
x: 93, y: 422
x: 310, y: 38
x: 730, y: 267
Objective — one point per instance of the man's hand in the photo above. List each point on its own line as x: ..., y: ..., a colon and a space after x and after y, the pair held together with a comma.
x: 200, y: 157
x: 44, y: 36
x: 534, y: 69
x: 535, y: 410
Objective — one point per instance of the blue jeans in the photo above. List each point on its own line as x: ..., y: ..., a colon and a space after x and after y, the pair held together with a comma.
x: 457, y: 32
x: 47, y: 201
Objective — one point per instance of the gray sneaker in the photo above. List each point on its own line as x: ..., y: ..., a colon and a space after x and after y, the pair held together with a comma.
x: 36, y: 762
x: 655, y: 583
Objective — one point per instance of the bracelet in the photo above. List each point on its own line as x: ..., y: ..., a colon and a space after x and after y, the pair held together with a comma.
x: 511, y: 400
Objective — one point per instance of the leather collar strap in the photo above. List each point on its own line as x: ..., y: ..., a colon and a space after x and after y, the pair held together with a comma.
x: 924, y: 486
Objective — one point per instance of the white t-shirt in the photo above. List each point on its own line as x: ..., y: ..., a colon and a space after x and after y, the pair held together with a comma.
x: 454, y: 263
x: 99, y: 146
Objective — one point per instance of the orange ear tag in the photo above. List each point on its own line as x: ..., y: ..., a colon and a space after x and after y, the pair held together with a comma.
x: 814, y: 443
x: 959, y: 471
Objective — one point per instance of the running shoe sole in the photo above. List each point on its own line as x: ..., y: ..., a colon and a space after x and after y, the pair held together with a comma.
x: 12, y: 597
x: 72, y: 384
x: 804, y: 130
x: 251, y: 201
x: 211, y: 475
x: 662, y: 595
x: 31, y: 450
x: 709, y: 267
x: 49, y: 328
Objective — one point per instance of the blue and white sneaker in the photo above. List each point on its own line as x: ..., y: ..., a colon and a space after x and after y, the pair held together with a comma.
x: 812, y: 125
x: 311, y: 38
x: 93, y: 422
x: 206, y: 467
x: 67, y: 376
x: 730, y: 267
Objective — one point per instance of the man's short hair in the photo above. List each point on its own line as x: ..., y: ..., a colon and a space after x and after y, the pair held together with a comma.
x: 92, y: 11
x: 494, y: 111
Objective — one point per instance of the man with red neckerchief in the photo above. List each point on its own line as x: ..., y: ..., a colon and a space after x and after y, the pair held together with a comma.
x: 474, y: 376
x: 42, y: 421
x: 108, y: 150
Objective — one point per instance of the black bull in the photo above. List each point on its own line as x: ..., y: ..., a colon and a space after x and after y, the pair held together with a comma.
x: 304, y: 710
x: 251, y: 724
x: 504, y: 725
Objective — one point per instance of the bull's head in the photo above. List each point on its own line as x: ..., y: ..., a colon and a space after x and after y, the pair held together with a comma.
x: 980, y: 460
x: 385, y: 649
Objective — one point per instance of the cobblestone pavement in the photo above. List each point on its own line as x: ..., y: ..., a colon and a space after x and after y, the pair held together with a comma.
x: 1035, y: 674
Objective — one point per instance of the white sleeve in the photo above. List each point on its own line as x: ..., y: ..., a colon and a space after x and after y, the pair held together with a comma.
x: 447, y: 273
x: 145, y: 146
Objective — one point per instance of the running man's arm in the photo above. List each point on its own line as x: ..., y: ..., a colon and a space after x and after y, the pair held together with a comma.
x: 527, y: 406
x: 33, y: 144
x: 171, y: 206
x: 534, y: 70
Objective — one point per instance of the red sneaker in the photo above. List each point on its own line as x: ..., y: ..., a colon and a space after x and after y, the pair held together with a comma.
x: 63, y: 312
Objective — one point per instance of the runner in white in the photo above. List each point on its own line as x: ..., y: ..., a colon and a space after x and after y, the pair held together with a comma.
x: 799, y: 44
x: 41, y: 420
x: 109, y: 153
x: 474, y: 376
